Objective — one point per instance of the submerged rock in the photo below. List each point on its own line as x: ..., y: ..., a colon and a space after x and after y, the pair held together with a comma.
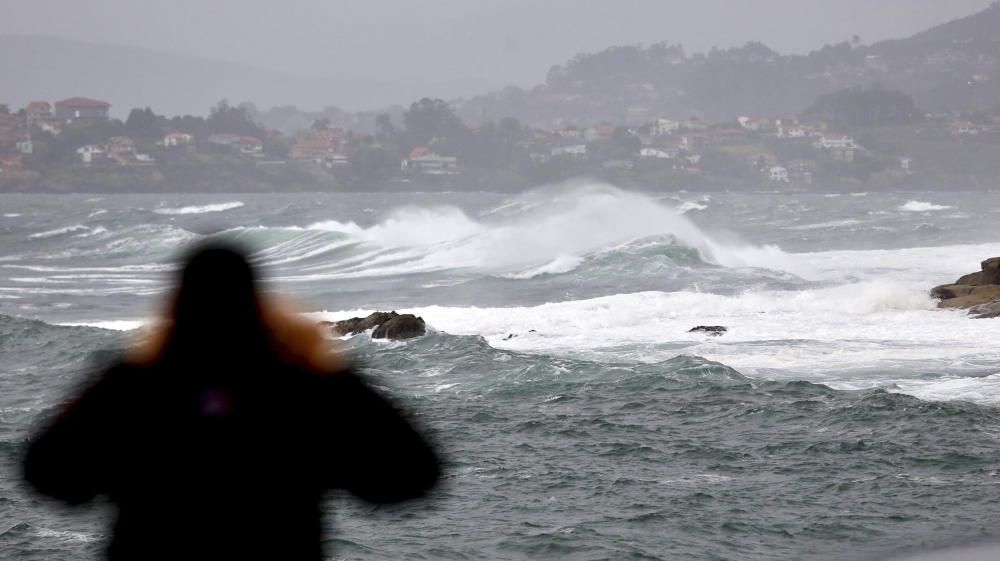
x: 713, y: 330
x: 977, y: 292
x: 386, y: 325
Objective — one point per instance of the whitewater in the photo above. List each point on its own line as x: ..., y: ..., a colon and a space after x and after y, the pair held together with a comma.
x: 841, y: 416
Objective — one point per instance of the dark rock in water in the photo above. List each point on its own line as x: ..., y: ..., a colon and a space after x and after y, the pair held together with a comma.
x: 714, y: 330
x: 977, y: 292
x: 386, y: 325
x: 985, y: 311
x: 354, y: 326
x: 946, y: 291
x: 405, y: 326
x: 510, y: 336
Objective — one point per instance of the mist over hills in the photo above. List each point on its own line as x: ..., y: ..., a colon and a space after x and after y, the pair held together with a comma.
x: 951, y: 67
x: 48, y: 68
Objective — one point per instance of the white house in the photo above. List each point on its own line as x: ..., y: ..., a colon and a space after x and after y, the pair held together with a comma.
x: 779, y: 174
x: 177, y: 139
x: 423, y: 161
x: 835, y: 142
x: 251, y: 146
x: 25, y: 146
x: 91, y: 152
x: 664, y: 127
x: 570, y: 150
x: 655, y: 153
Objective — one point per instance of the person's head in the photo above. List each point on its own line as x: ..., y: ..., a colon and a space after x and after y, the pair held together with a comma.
x: 218, y: 316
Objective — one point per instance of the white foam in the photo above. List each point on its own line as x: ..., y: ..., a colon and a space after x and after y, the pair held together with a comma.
x: 920, y: 206
x: 202, y: 209
x: 60, y: 231
x: 688, y: 206
x: 111, y: 325
x: 561, y: 264
x: 552, y: 226
x: 11, y: 215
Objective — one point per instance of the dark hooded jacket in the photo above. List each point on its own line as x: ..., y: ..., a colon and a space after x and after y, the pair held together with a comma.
x: 218, y: 441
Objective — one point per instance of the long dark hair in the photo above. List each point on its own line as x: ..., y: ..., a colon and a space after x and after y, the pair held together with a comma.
x: 219, y: 320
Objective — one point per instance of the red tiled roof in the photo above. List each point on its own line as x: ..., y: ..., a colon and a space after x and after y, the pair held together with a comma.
x: 38, y: 107
x: 82, y: 102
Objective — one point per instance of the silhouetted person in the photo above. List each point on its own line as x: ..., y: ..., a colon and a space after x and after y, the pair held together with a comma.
x: 217, y: 438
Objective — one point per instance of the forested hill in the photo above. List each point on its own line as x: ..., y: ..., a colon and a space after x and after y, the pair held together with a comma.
x: 954, y: 66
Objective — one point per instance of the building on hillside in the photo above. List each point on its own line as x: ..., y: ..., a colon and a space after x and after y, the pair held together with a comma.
x: 571, y: 150
x: 425, y: 162
x: 224, y: 139
x: 251, y: 146
x: 655, y: 153
x: 10, y: 162
x: 121, y: 145
x: 778, y: 174
x: 82, y: 109
x: 177, y: 139
x: 663, y: 127
x: 92, y: 153
x: 38, y: 111
x: 840, y: 142
x: 964, y: 128
x: 24, y: 145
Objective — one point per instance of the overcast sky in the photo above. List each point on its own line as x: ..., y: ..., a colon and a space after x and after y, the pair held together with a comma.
x: 471, y: 43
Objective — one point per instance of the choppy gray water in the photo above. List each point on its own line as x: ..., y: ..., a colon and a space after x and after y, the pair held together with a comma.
x: 841, y: 417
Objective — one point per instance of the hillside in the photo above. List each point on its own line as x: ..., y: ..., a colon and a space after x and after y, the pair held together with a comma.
x: 951, y: 67
x: 47, y: 68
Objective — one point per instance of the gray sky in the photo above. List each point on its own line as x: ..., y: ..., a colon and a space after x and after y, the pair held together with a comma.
x: 470, y: 44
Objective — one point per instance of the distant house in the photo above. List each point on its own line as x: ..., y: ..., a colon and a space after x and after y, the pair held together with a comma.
x: 177, y: 139
x: 600, y: 132
x: 572, y: 150
x: 757, y: 124
x: 10, y: 162
x: 778, y: 174
x: 964, y: 128
x: 425, y: 162
x: 224, y: 139
x: 92, y: 153
x: 24, y: 145
x: 82, y: 109
x: 655, y: 153
x: 663, y: 127
x: 38, y: 111
x: 121, y: 145
x: 251, y: 146
x: 835, y: 142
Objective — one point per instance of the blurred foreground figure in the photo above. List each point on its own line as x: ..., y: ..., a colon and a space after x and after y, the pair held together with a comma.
x: 218, y: 436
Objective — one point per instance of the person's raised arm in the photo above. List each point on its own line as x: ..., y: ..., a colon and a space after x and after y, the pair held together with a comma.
x: 384, y: 458
x: 66, y: 459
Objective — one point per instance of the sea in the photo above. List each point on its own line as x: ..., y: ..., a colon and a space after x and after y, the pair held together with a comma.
x: 840, y: 416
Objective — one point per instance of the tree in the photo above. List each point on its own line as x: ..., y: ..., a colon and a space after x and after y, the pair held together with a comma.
x: 428, y: 119
x: 870, y: 107
x: 320, y: 124
x: 143, y: 124
x: 225, y: 118
x: 384, y: 129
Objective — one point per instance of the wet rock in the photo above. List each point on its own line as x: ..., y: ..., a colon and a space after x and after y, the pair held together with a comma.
x: 386, y: 325
x: 947, y: 291
x: 977, y: 292
x: 404, y: 326
x: 713, y: 330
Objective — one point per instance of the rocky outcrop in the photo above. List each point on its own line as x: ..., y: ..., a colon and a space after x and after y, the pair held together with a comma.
x: 385, y: 325
x: 979, y: 293
x: 713, y: 330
